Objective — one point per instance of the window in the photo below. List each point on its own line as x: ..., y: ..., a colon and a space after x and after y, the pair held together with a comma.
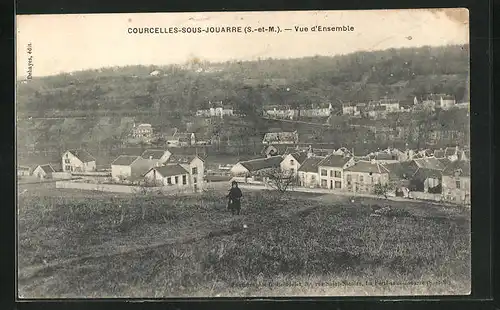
x: 338, y: 174
x: 66, y: 161
x: 292, y: 162
x: 292, y: 171
x: 68, y: 168
x: 324, y: 184
x: 457, y: 184
x: 184, y: 180
x: 176, y: 180
x: 360, y: 178
x: 331, y: 173
x: 194, y: 170
x: 169, y: 181
x: 338, y: 184
x: 349, y: 179
x: 323, y: 173
x: 195, y: 180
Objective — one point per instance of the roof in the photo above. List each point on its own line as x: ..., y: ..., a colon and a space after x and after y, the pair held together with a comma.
x: 459, y: 165
x: 429, y: 163
x: 300, y: 157
x: 154, y: 153
x: 170, y: 170
x: 124, y: 160
x: 183, y: 135
x: 383, y: 156
x: 182, y: 159
x: 311, y: 164
x: 368, y: 167
x: 23, y: 168
x: 83, y: 155
x: 144, y: 125
x: 334, y: 161
x: 444, y: 161
x: 295, y: 149
x: 47, y: 168
x: 281, y: 136
x: 401, y: 170
x: 262, y: 163
x: 400, y: 84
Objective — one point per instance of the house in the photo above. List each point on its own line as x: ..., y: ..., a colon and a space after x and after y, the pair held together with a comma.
x: 156, y: 157
x: 155, y: 73
x: 251, y: 167
x: 400, y: 175
x: 456, y: 182
x: 391, y: 105
x: 363, y: 175
x: 180, y: 139
x: 331, y: 170
x: 452, y: 153
x: 308, y: 172
x: 292, y: 162
x: 442, y: 101
x: 350, y: 109
x: 78, y: 161
x: 194, y: 165
x: 169, y: 175
x: 317, y: 110
x: 465, y: 155
x: 23, y: 171
x: 281, y: 138
x: 43, y: 171
x: 377, y: 112
x: 143, y: 132
x: 426, y: 176
x: 281, y: 112
x: 216, y: 109
x: 129, y: 168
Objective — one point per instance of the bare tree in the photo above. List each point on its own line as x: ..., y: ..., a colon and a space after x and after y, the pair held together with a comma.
x: 280, y: 180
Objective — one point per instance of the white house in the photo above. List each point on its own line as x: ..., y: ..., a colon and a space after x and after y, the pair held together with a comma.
x: 363, y: 175
x: 169, y: 175
x: 350, y: 109
x: 43, y: 171
x: 391, y: 105
x: 78, y: 161
x: 126, y: 167
x: 143, y: 132
x: 216, y: 109
x: 180, y: 139
x: 317, y: 110
x: 331, y: 171
x: 23, y: 171
x: 194, y: 165
x: 292, y: 162
x: 308, y: 172
x: 281, y: 138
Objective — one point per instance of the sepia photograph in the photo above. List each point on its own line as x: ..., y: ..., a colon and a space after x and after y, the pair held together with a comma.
x: 243, y: 154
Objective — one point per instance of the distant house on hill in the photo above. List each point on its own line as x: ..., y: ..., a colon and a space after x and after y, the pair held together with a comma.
x: 281, y: 112
x: 181, y: 139
x: 292, y: 162
x: 143, y: 132
x: 350, y: 109
x: 391, y: 105
x: 168, y: 175
x: 43, y: 171
x: 250, y: 167
x: 308, y: 172
x: 155, y: 73
x: 364, y: 175
x: 331, y: 170
x: 456, y: 182
x: 281, y: 138
x: 317, y: 110
x: 78, y: 161
x: 216, y: 109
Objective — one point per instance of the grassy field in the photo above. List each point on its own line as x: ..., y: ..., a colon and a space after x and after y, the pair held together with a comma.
x: 72, y: 244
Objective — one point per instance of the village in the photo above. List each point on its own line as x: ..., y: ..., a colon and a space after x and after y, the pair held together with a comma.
x: 441, y: 174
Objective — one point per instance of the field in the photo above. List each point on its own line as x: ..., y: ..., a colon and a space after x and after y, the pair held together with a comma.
x: 74, y: 244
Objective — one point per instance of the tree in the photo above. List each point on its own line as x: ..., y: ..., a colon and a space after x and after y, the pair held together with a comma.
x: 382, y: 189
x: 280, y: 180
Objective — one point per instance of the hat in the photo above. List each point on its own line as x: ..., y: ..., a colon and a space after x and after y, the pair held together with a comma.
x: 234, y: 182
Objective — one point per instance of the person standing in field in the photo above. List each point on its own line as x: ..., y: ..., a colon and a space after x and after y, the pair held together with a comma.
x: 234, y: 202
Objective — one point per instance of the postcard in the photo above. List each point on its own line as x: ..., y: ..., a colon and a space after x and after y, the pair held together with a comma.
x: 243, y: 154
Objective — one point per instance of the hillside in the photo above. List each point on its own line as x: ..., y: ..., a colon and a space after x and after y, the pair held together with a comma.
x: 108, y: 101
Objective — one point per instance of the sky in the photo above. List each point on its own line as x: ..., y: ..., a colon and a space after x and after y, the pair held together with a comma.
x: 66, y: 43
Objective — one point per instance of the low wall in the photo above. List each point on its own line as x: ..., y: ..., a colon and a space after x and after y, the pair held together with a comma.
x: 61, y: 175
x: 116, y: 188
x: 425, y: 196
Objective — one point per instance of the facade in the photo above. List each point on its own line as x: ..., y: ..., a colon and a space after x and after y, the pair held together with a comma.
x: 331, y: 171
x: 195, y: 167
x: 216, y: 109
x: 292, y: 162
x: 391, y: 105
x: 282, y: 112
x: 281, y: 138
x: 43, y: 171
x: 169, y: 175
x: 456, y: 182
x: 377, y: 112
x: 320, y: 110
x: 78, y: 161
x: 363, y: 175
x: 308, y: 172
x: 426, y: 176
x: 350, y: 109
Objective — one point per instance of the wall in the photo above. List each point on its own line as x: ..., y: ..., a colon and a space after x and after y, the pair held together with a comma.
x: 450, y: 191
x: 118, y: 188
x: 425, y: 196
x: 366, y: 185
x: 286, y: 165
x: 330, y: 177
x: 238, y: 169
x: 119, y: 171
x: 309, y: 179
x: 61, y: 175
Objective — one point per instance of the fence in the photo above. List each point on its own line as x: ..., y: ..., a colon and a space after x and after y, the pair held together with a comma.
x: 425, y: 196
